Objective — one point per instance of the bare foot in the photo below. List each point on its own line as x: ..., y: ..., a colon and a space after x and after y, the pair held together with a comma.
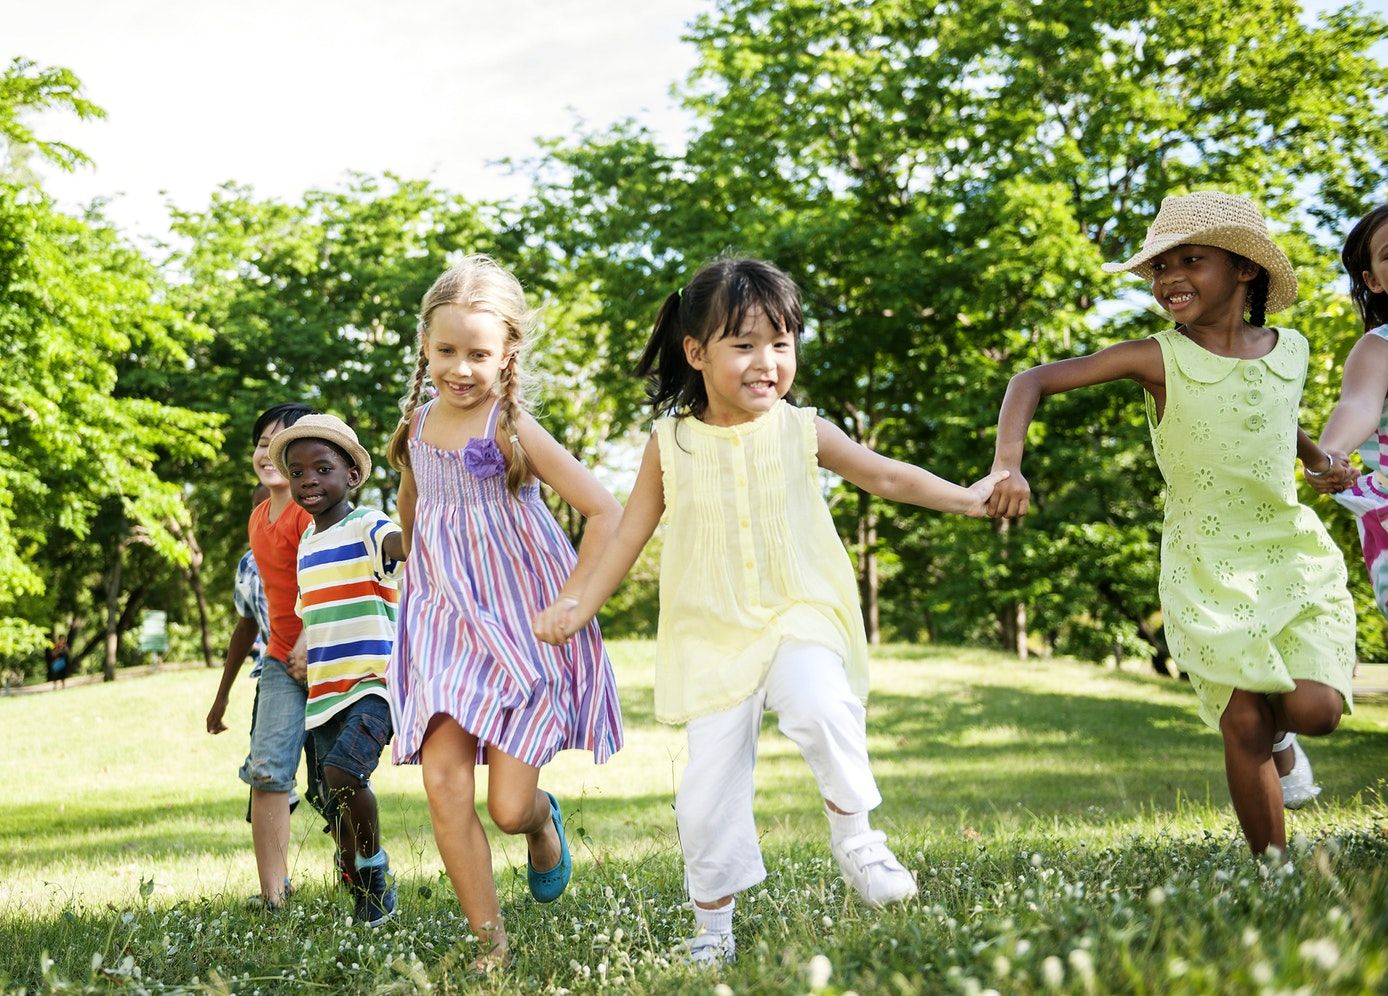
x: 494, y: 958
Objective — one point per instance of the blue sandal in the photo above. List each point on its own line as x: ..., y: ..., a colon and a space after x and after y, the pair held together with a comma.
x: 547, y: 886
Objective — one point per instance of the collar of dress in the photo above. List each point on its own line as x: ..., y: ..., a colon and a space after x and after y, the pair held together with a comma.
x: 1287, y: 359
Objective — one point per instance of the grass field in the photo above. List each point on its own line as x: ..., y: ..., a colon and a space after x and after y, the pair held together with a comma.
x: 1069, y: 825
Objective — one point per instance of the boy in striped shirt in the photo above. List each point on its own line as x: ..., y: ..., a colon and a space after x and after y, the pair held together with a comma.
x: 349, y: 559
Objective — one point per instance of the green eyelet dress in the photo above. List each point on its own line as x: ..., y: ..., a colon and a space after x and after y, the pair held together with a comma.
x: 1253, y: 591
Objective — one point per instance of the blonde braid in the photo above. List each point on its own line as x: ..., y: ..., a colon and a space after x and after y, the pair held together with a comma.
x: 512, y: 402
x: 398, y: 449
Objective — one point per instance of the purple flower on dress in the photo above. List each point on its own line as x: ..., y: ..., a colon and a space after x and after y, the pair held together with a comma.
x: 482, y: 458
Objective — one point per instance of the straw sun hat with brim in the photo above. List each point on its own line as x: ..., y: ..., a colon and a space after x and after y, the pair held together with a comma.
x: 328, y: 428
x: 1209, y: 218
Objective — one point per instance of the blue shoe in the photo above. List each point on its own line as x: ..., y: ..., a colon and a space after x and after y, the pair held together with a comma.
x: 547, y: 886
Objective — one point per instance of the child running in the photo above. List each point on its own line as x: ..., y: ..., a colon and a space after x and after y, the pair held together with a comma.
x: 1253, y: 591
x: 1361, y: 417
x: 758, y: 602
x: 469, y: 683
x: 277, y: 726
x: 348, y: 561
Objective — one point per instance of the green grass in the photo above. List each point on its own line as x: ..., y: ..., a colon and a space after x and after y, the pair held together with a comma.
x: 1069, y: 825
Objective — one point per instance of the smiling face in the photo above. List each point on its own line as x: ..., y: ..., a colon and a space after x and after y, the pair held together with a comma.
x: 1200, y: 284
x: 744, y: 374
x: 265, y: 470
x: 467, y: 352
x: 320, y: 478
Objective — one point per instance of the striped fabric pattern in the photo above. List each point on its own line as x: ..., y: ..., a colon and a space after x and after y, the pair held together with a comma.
x: 248, y: 597
x: 482, y: 562
x: 347, y: 599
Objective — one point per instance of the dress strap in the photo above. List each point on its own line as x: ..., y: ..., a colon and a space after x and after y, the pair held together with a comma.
x: 420, y: 413
x: 492, y: 418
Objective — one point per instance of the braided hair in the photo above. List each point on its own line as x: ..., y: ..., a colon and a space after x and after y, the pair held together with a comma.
x: 476, y: 283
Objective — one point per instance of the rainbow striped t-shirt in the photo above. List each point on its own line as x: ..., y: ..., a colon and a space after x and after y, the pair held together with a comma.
x: 347, y: 599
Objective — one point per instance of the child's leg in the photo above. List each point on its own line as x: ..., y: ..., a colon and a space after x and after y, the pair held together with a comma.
x: 517, y: 806
x: 808, y: 688
x: 270, y: 837
x: 1313, y: 710
x: 449, y: 755
x: 718, y: 833
x: 1248, y: 726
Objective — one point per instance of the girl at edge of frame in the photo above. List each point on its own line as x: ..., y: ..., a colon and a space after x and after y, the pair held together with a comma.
x: 1253, y: 591
x: 758, y: 600
x: 1360, y: 419
x: 468, y: 682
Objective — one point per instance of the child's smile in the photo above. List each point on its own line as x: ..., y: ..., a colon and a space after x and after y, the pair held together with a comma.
x: 747, y: 373
x: 466, y: 351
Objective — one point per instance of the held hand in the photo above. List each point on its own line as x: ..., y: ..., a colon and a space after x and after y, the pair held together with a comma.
x: 297, y: 665
x: 1011, y: 497
x: 981, y: 491
x: 214, y: 717
x: 558, y: 622
x: 1336, y: 477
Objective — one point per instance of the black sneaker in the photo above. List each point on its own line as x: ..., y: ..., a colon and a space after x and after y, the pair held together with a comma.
x: 375, y: 895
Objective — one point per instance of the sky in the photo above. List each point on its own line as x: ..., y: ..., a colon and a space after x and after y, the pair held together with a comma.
x: 290, y: 95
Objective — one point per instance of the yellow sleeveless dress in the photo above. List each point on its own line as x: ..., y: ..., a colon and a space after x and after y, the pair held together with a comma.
x: 1253, y: 590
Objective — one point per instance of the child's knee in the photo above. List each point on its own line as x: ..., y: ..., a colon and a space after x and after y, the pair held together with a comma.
x: 448, y: 782
x: 510, y: 815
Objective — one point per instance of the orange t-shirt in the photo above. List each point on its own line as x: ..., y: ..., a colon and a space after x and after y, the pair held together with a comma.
x: 276, y: 549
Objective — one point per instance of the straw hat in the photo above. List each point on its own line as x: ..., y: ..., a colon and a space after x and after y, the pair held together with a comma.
x: 328, y: 428
x: 1209, y: 218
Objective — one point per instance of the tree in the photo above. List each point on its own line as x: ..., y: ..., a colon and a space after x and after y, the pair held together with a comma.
x: 943, y: 180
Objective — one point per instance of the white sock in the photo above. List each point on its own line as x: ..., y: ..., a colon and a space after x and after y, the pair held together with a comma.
x: 845, y: 825
x: 1280, y: 745
x: 719, y: 921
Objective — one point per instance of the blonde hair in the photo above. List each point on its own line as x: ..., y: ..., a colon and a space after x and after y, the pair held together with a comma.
x: 476, y: 283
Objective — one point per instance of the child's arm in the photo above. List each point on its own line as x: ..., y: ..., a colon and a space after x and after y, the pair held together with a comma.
x: 1138, y: 359
x: 1312, y: 457
x: 895, y: 480
x: 242, y: 639
x: 576, y: 484
x: 397, y: 545
x: 575, y: 608
x: 1363, y: 387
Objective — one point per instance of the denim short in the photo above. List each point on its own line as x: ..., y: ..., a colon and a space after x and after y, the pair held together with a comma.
x: 277, y: 730
x: 354, y: 738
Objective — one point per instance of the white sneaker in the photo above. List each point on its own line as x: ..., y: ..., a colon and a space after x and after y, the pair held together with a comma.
x: 710, y: 949
x: 873, y: 870
x: 1299, y: 785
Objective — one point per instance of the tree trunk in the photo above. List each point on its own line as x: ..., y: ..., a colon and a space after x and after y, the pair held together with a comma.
x: 1012, y: 620
x: 1019, y: 629
x: 190, y: 539
x: 867, y: 568
x: 113, y: 577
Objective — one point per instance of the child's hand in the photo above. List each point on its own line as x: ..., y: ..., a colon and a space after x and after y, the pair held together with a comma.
x: 1338, y: 476
x: 214, y: 716
x: 982, y: 490
x: 1011, y: 497
x: 558, y: 622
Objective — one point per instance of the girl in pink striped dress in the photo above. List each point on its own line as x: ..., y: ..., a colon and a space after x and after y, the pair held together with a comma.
x: 469, y: 684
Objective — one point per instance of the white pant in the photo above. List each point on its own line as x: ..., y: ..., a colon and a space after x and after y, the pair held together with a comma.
x: 807, y: 687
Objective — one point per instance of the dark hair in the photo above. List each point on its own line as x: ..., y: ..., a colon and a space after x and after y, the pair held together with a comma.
x: 1373, y: 308
x: 712, y: 306
x: 286, y: 415
x: 346, y: 457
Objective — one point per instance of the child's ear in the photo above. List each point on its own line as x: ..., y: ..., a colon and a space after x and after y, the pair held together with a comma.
x: 1372, y: 282
x: 1248, y: 271
x: 353, y: 476
x: 693, y: 352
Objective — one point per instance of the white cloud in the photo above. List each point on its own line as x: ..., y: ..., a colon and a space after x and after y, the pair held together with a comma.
x: 289, y: 95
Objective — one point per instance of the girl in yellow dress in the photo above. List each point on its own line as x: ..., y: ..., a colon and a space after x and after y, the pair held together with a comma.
x: 1252, y: 589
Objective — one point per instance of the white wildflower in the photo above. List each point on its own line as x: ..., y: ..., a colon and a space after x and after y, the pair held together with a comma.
x: 820, y: 968
x: 1052, y: 972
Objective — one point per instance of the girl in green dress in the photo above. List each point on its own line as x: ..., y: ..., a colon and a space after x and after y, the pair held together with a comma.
x: 1252, y: 589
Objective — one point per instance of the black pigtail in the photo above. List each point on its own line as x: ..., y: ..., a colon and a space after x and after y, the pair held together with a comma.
x: 1258, y: 298
x: 670, y: 380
